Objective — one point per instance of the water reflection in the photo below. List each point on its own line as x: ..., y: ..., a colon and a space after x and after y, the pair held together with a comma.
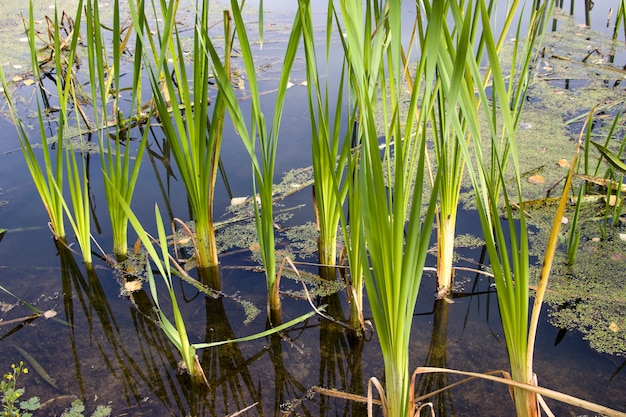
x: 232, y: 387
x: 437, y: 357
x: 101, y: 330
x: 341, y: 361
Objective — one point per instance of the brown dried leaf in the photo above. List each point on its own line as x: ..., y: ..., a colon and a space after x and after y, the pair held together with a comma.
x: 563, y: 163
x: 132, y: 286
x: 614, y: 327
x: 612, y: 200
x: 536, y: 179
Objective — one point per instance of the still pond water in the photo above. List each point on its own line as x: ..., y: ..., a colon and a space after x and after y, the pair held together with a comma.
x: 112, y: 353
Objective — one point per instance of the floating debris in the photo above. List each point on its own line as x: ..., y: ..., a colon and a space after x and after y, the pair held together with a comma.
x: 235, y: 201
x: 563, y: 163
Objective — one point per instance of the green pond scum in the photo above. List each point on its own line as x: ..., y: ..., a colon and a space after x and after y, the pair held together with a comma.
x: 588, y: 296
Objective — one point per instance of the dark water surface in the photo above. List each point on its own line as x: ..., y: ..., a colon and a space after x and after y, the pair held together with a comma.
x: 106, y: 350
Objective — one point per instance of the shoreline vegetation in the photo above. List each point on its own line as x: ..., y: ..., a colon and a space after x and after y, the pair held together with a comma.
x: 415, y: 130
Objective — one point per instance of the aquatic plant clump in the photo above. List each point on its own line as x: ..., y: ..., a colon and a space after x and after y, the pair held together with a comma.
x: 12, y: 403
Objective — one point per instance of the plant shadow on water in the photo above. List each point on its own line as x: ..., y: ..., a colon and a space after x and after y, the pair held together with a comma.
x: 112, y: 352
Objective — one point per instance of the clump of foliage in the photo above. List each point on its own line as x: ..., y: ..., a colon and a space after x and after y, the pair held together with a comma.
x: 78, y: 408
x: 11, y: 404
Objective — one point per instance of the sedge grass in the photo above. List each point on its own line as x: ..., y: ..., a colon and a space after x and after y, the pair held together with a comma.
x: 104, y: 78
x: 194, y: 137
x: 506, y: 241
x: 394, y: 234
x: 330, y: 149
x: 263, y: 167
x: 335, y: 162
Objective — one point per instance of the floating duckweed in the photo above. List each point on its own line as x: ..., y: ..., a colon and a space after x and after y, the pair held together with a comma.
x: 588, y: 296
x: 293, y: 181
x: 250, y: 310
x: 303, y: 238
x: 468, y: 241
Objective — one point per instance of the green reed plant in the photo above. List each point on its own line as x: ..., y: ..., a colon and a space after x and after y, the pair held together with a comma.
x: 44, y: 175
x: 395, y: 230
x: 48, y: 175
x: 79, y: 214
x: 335, y: 162
x: 613, y: 176
x: 68, y: 90
x: 182, y: 101
x: 257, y: 127
x: 620, y: 19
x: 448, y: 72
x: 352, y: 229
x: 330, y: 147
x: 574, y: 234
x: 450, y: 125
x: 611, y: 157
x: 110, y: 125
x: 49, y: 178
x: 506, y: 242
x: 176, y: 331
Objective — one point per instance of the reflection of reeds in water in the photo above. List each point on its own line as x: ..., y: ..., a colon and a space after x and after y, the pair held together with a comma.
x: 88, y: 293
x: 340, y: 359
x: 232, y: 386
x: 287, y: 387
x: 437, y: 357
x: 151, y: 368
